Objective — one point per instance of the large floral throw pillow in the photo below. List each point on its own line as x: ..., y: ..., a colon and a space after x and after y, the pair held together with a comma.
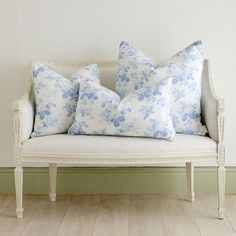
x: 144, y: 112
x: 185, y: 69
x: 56, y: 98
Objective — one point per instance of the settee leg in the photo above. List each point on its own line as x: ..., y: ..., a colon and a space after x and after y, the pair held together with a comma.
x: 221, y: 191
x: 18, y: 172
x: 52, y: 181
x: 190, y: 180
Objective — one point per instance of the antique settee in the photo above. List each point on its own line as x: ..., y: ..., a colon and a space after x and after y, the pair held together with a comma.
x: 108, y: 151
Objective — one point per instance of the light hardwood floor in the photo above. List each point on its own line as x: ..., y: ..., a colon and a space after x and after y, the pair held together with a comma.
x: 117, y: 215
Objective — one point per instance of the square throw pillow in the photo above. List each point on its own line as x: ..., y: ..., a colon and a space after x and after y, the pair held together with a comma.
x: 144, y: 112
x: 136, y: 70
x: 56, y: 98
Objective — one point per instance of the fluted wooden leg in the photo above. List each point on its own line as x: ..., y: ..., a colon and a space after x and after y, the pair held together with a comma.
x: 19, y: 191
x: 221, y: 191
x: 190, y: 180
x: 52, y: 181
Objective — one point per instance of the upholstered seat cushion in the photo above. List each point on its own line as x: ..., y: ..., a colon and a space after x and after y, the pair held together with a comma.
x: 86, y: 145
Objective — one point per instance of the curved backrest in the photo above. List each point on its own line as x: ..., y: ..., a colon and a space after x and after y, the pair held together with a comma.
x: 108, y: 73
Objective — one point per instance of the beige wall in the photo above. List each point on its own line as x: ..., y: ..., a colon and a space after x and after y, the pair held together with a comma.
x: 92, y: 30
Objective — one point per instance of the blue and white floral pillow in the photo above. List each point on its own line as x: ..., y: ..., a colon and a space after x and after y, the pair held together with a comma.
x: 136, y: 70
x: 144, y: 112
x: 56, y: 98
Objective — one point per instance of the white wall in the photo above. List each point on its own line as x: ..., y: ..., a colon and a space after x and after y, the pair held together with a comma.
x: 92, y: 30
x: 8, y: 77
x: 213, y: 21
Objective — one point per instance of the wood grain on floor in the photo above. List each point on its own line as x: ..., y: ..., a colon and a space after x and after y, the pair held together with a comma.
x: 109, y: 215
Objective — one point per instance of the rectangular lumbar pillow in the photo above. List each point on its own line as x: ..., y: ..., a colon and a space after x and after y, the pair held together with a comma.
x: 185, y: 69
x: 56, y: 98
x: 144, y: 112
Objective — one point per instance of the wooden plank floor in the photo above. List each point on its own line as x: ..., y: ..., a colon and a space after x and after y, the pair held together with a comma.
x: 109, y: 215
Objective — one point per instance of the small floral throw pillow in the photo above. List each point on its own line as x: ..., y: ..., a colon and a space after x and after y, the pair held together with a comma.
x: 56, y: 98
x: 144, y: 112
x: 185, y: 69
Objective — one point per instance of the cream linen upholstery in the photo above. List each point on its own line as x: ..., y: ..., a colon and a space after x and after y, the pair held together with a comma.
x: 210, y: 103
x: 26, y: 107
x: 112, y: 146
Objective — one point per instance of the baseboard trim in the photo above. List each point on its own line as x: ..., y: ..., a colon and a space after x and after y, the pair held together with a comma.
x: 160, y: 180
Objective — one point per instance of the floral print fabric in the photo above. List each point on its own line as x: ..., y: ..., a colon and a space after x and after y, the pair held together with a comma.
x: 56, y: 98
x: 136, y: 70
x: 144, y: 112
